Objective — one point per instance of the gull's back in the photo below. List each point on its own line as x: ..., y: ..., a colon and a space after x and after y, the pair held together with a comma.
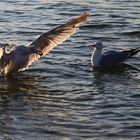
x: 113, y: 58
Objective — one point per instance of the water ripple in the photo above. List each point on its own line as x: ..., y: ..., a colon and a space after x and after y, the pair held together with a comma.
x: 60, y: 96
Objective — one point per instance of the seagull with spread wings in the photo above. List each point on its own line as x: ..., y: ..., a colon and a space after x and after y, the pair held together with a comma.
x: 20, y: 57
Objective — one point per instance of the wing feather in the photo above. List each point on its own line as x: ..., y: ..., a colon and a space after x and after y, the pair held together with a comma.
x: 47, y: 41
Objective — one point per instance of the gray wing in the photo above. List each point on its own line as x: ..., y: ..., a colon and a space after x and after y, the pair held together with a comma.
x: 113, y: 58
x: 47, y: 41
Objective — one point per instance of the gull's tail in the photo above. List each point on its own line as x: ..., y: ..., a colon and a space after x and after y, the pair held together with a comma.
x: 134, y: 51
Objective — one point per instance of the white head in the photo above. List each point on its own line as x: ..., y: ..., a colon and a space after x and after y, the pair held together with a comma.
x: 98, y: 45
x: 97, y: 53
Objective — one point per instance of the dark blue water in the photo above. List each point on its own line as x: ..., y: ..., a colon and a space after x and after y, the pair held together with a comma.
x: 61, y: 96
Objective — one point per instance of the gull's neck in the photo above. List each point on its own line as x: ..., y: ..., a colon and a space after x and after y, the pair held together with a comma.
x: 95, y: 58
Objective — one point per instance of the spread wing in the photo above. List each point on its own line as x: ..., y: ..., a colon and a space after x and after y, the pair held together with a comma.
x: 48, y: 40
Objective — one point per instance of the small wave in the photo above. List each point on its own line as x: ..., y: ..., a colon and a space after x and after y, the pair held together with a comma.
x: 25, y: 33
x: 97, y: 26
x: 15, y: 12
x: 115, y: 16
x: 132, y: 33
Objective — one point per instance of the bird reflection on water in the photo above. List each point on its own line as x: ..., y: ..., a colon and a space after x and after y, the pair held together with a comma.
x: 22, y: 94
x: 122, y: 68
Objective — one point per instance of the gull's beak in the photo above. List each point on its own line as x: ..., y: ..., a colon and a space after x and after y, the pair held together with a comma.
x: 2, y: 46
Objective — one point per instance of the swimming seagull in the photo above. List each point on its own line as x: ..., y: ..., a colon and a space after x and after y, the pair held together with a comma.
x: 19, y: 58
x: 110, y: 58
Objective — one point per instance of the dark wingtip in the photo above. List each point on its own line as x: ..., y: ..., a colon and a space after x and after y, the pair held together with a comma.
x: 134, y: 51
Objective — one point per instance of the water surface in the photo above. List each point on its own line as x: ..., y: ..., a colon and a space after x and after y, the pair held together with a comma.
x: 61, y: 96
